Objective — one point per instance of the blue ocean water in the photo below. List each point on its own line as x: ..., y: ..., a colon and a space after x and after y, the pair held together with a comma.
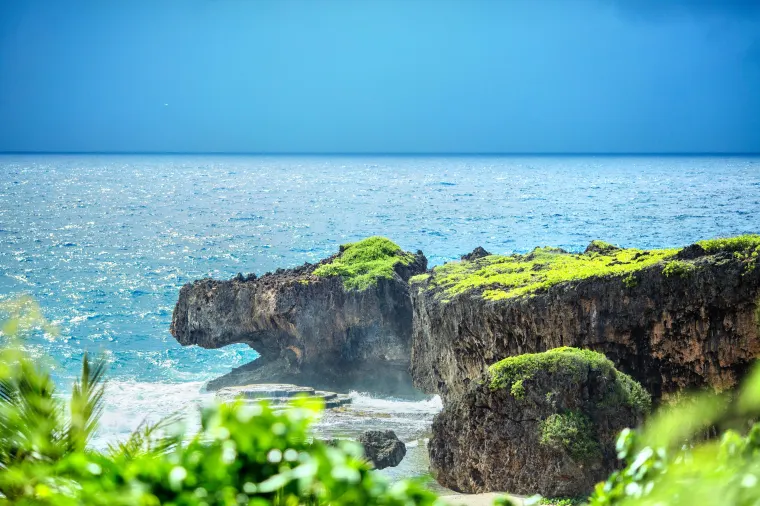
x: 105, y: 242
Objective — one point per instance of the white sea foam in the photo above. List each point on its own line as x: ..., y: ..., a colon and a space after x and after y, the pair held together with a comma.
x: 129, y: 403
x: 392, y: 405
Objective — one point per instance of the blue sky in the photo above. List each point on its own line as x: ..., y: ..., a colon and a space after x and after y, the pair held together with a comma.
x: 380, y: 75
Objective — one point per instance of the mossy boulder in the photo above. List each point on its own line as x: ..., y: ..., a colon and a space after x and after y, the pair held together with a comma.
x: 537, y: 423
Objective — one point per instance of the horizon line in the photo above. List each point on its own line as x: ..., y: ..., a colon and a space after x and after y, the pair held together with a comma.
x: 394, y: 153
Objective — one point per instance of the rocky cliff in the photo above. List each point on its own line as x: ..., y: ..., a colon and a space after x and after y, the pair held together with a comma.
x: 341, y: 324
x: 672, y: 319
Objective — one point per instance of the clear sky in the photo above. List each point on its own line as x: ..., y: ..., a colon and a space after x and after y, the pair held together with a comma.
x: 380, y: 75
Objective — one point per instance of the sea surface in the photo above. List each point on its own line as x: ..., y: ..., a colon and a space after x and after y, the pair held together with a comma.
x: 105, y: 242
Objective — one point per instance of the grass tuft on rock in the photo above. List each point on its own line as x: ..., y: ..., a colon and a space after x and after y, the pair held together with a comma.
x: 362, y: 263
x: 572, y: 432
x: 512, y: 373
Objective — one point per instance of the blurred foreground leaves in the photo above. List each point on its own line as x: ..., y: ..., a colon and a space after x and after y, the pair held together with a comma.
x: 244, y: 454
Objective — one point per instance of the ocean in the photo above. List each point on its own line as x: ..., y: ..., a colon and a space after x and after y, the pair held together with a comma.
x: 104, y: 242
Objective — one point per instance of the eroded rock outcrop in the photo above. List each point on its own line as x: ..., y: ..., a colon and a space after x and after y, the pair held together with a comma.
x: 672, y: 319
x: 541, y: 423
x: 341, y: 324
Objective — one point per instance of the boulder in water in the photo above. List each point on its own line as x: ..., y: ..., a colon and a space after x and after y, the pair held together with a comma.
x: 383, y: 448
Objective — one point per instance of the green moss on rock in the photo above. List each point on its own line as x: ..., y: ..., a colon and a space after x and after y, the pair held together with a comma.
x: 362, y: 263
x: 602, y: 247
x: 731, y: 244
x: 500, y: 277
x: 572, y: 432
x: 419, y: 278
x: 677, y: 268
x: 522, y: 367
x: 517, y: 370
x: 517, y: 390
x: 562, y: 501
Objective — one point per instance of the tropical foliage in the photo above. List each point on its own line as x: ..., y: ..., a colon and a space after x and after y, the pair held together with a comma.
x: 244, y: 453
x: 673, y: 461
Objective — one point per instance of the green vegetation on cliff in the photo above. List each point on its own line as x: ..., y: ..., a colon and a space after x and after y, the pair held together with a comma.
x: 677, y: 268
x: 513, y: 372
x: 362, y: 263
x: 740, y: 243
x: 499, y: 277
x: 504, y: 276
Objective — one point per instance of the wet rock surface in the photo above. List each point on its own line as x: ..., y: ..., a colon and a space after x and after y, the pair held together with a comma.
x: 383, y: 448
x: 281, y: 394
x: 551, y: 432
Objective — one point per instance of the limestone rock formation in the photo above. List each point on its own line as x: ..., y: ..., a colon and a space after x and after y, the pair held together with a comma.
x: 382, y: 447
x: 342, y: 324
x: 542, y: 423
x: 672, y: 319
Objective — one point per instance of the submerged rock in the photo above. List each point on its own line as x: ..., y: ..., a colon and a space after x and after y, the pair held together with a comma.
x: 672, y: 319
x: 281, y: 394
x: 345, y: 323
x: 382, y: 447
x: 543, y: 423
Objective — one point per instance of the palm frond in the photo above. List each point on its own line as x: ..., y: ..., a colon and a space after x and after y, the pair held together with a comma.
x: 30, y: 414
x: 149, y: 439
x: 86, y: 403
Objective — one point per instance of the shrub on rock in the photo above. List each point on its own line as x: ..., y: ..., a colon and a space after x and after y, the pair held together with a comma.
x: 537, y: 423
